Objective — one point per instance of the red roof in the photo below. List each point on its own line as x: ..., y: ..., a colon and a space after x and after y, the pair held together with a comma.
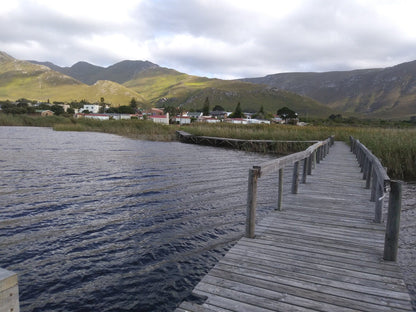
x: 158, y: 116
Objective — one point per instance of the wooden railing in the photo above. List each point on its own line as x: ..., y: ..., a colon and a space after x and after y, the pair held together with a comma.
x: 313, y: 154
x: 377, y: 179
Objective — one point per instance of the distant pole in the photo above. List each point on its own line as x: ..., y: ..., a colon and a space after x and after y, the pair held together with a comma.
x: 391, y: 241
x: 280, y: 192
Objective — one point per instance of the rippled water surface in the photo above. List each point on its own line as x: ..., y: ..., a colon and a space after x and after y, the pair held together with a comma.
x: 97, y: 222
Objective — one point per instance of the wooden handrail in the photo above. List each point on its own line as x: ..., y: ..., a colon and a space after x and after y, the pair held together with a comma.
x: 378, y: 180
x: 313, y: 154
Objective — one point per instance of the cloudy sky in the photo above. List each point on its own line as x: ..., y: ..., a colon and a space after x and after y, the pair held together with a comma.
x: 214, y: 38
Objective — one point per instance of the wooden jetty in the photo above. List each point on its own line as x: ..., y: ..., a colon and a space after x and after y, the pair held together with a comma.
x: 323, y: 249
x: 269, y: 146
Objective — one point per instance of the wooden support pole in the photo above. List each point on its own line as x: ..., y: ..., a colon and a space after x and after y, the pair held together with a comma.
x: 310, y: 160
x: 369, y: 174
x: 374, y: 186
x: 295, y: 178
x: 251, y: 202
x: 379, y: 204
x: 391, y: 241
x: 280, y: 191
x: 305, y: 170
x: 314, y: 160
x: 365, y: 168
x: 318, y: 155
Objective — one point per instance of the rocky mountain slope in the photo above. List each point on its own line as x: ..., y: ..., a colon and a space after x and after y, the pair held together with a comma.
x: 90, y: 74
x: 384, y: 92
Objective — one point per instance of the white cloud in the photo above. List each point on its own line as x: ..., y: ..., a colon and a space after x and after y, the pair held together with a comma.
x: 216, y: 38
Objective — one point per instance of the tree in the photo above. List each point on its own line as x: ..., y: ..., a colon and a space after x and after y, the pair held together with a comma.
x: 218, y: 108
x: 286, y: 113
x: 172, y: 111
x: 9, y: 108
x: 237, y: 112
x: 133, y: 103
x: 260, y: 114
x: 57, y: 110
x: 44, y: 106
x: 205, y: 108
x: 126, y: 110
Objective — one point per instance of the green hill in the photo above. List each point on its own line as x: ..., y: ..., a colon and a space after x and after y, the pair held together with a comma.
x: 163, y: 87
x: 151, y: 85
x: 21, y: 79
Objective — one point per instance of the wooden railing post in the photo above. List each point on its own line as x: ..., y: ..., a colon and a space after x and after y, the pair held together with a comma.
x: 365, y: 167
x: 369, y: 174
x: 280, y: 191
x: 305, y: 170
x: 251, y: 201
x: 391, y: 241
x: 318, y: 155
x: 295, y: 178
x: 310, y: 160
x: 379, y: 203
x: 374, y: 186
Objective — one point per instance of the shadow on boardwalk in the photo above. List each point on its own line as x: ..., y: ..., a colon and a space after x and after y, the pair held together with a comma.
x: 322, y: 252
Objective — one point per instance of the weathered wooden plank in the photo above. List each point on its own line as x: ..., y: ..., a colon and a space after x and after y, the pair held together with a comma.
x: 323, y: 252
x: 318, y: 293
x: 348, y: 274
x: 192, y: 307
x: 319, y: 278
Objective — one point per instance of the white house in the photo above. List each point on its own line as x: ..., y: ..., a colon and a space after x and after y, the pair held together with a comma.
x: 163, y: 119
x: 183, y: 120
x: 97, y: 116
x: 258, y: 121
x: 210, y: 120
x: 241, y: 121
x: 92, y: 108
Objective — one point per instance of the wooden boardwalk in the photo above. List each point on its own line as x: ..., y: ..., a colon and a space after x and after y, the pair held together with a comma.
x: 322, y: 252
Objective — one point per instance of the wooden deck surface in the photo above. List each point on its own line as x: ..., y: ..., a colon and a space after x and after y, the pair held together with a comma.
x: 323, y: 252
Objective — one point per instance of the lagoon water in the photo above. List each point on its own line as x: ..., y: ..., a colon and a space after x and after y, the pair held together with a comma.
x: 98, y: 222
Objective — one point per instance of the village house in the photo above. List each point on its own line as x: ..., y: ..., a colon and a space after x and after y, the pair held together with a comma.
x: 240, y: 121
x: 182, y: 120
x: 194, y: 115
x: 258, y: 121
x: 162, y: 119
x: 44, y: 113
x: 93, y: 116
x: 209, y: 119
x: 154, y: 112
x: 92, y: 108
x: 220, y: 114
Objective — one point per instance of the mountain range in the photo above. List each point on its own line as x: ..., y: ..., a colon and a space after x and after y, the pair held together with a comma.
x: 381, y: 93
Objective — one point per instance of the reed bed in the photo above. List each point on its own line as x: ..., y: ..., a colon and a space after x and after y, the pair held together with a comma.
x: 136, y: 129
x: 396, y: 148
